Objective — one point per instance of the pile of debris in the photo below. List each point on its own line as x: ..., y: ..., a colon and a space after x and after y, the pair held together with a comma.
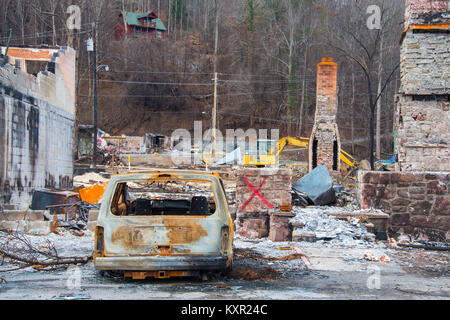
x: 317, y: 188
x: 316, y: 224
x: 63, y: 209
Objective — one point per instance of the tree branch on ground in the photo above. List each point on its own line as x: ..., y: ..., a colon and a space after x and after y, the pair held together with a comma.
x: 17, y: 247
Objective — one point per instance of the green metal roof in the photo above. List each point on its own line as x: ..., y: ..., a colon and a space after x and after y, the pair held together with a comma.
x: 160, y: 25
x: 132, y: 19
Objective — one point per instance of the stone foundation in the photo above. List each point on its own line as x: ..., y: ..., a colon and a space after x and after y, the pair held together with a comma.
x: 257, y: 219
x: 418, y: 203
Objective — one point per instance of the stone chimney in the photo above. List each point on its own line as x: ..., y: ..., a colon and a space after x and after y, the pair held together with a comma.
x: 423, y: 102
x: 426, y: 12
x: 325, y: 145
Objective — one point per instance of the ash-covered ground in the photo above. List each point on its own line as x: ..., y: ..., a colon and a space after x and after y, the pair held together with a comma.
x: 341, y: 267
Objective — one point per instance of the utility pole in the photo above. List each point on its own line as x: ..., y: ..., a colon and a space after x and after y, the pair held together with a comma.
x: 92, y: 47
x: 214, y: 115
x: 216, y: 46
x: 9, y: 42
x: 94, y: 160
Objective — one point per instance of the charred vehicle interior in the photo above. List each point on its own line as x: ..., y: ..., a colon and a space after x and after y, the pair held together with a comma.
x: 164, y: 225
x: 147, y: 199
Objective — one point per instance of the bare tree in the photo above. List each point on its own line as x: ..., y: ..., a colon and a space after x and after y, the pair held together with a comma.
x: 362, y: 45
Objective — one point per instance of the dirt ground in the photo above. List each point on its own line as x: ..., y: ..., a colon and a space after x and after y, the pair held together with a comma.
x: 261, y: 270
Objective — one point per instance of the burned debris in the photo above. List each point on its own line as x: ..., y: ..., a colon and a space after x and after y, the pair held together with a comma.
x: 232, y: 213
x: 317, y: 186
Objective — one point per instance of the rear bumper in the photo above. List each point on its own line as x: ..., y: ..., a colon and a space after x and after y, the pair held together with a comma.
x: 159, y: 263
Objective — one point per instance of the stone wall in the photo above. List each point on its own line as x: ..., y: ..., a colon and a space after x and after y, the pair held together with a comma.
x: 423, y: 133
x: 418, y: 203
x: 37, y: 116
x: 253, y: 219
x: 425, y: 63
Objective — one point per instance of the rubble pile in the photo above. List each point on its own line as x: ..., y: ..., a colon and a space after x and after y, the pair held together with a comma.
x: 89, y: 179
x: 347, y: 199
x: 315, y: 224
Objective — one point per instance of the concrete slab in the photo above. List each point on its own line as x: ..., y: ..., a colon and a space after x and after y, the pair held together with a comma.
x: 36, y: 215
x: 12, y: 215
x: 17, y: 215
x: 347, y: 259
x: 20, y: 226
x: 35, y: 227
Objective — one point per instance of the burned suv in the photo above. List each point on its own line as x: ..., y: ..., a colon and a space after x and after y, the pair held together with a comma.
x: 164, y: 224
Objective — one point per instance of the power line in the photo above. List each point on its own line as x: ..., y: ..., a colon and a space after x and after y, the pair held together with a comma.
x: 260, y: 81
x: 187, y: 96
x: 148, y: 96
x: 161, y: 72
x: 208, y: 74
x: 41, y: 35
x: 153, y: 83
x: 279, y: 120
x: 253, y: 93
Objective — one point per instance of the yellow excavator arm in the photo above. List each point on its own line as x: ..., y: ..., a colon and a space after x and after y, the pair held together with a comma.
x: 272, y: 156
x: 299, y: 142
x: 303, y: 143
x: 348, y: 160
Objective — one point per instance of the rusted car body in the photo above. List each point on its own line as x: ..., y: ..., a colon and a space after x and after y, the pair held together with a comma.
x: 151, y: 236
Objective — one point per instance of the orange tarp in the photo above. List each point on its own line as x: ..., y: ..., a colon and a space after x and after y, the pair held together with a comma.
x: 93, y: 194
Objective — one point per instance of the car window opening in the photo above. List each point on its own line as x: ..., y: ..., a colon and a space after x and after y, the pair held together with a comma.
x: 160, y: 198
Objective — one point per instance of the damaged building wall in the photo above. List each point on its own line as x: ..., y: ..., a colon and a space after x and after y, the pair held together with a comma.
x: 422, y: 118
x: 325, y: 143
x: 37, y: 128
x: 260, y: 194
x: 417, y: 197
x: 423, y: 133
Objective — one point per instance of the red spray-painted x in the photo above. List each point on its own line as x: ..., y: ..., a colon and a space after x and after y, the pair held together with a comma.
x: 256, y: 194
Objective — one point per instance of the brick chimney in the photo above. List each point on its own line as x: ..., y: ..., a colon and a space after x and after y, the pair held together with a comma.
x: 325, y: 145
